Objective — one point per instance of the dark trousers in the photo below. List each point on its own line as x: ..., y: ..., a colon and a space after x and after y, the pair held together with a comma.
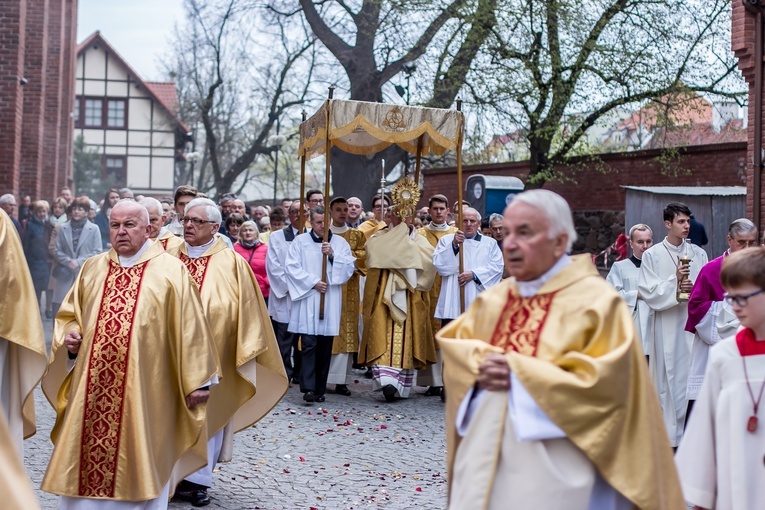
x: 316, y: 353
x: 288, y: 346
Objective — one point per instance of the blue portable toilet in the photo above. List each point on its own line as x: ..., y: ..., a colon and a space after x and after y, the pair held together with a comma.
x: 491, y: 193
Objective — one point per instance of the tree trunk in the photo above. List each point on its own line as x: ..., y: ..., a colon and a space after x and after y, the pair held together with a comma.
x: 359, y: 176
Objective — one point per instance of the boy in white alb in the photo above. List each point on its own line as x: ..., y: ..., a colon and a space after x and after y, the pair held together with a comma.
x: 720, y: 457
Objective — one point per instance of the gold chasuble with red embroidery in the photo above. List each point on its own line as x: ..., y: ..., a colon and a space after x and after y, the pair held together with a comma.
x: 25, y: 359
x: 573, y: 347
x: 169, y: 241
x: 122, y: 421
x: 245, y: 340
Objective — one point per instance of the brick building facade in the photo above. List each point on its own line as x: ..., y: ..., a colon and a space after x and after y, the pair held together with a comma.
x: 37, y: 50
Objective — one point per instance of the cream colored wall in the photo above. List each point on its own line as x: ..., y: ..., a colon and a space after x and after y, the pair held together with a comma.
x: 150, y: 155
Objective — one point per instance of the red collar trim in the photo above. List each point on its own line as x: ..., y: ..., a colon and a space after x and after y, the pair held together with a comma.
x: 748, y: 344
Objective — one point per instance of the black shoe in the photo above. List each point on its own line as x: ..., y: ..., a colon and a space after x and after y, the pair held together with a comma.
x: 342, y: 389
x: 443, y: 395
x: 196, y: 496
x: 368, y: 373
x: 389, y: 392
x: 295, y: 380
x: 434, y: 391
x: 309, y: 396
x: 320, y: 398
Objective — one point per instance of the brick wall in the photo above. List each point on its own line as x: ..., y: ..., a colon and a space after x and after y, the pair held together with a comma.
x: 37, y: 42
x: 598, y: 186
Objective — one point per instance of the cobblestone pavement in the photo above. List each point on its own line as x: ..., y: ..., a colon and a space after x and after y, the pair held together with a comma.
x: 352, y: 452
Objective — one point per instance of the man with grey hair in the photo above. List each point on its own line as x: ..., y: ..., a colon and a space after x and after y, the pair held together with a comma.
x: 8, y: 204
x: 126, y: 193
x: 496, y: 224
x: 710, y: 318
x: 244, y: 338
x: 549, y: 402
x: 624, y: 278
x: 239, y: 207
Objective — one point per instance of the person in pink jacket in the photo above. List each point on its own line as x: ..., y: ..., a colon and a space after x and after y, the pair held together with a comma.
x: 249, y: 247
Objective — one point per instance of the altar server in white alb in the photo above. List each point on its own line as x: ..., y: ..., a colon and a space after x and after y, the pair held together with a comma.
x: 661, y: 275
x: 303, y: 269
x: 720, y: 460
x: 483, y: 265
x: 624, y: 278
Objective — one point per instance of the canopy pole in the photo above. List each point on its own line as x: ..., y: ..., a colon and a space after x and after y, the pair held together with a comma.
x: 301, y: 217
x: 418, y: 161
x: 460, y: 136
x: 327, y: 219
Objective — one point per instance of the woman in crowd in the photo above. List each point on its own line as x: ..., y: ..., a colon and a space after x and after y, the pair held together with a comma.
x: 250, y: 247
x: 55, y: 220
x: 77, y: 240
x: 233, y: 224
x: 36, y: 248
x: 102, y: 218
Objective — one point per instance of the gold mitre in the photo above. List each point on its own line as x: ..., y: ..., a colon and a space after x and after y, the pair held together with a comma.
x: 405, y: 194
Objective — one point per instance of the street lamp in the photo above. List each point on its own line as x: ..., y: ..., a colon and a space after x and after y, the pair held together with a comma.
x: 275, y: 142
x: 408, y: 68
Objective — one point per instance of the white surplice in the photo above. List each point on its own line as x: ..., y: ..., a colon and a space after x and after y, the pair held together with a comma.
x: 670, y: 344
x: 279, y: 302
x: 482, y: 256
x: 720, y: 463
x: 719, y: 323
x: 624, y: 278
x: 303, y: 268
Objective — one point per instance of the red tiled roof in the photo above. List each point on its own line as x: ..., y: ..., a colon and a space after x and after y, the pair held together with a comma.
x: 701, y: 133
x: 165, y: 92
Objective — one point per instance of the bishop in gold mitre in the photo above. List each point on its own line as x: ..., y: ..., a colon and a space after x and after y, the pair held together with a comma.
x: 244, y: 339
x: 23, y: 356
x: 549, y: 401
x: 131, y: 358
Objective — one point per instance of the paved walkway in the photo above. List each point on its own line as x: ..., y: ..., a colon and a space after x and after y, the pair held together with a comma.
x: 348, y: 453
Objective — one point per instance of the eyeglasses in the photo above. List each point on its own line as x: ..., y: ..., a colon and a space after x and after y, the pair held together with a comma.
x: 196, y: 221
x: 741, y: 301
x: 316, y: 201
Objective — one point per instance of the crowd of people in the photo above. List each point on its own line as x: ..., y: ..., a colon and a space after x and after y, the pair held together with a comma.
x: 186, y: 318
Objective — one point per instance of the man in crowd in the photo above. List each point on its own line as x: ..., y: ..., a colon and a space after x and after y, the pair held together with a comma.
x: 438, y: 208
x: 277, y: 219
x: 66, y: 194
x: 157, y: 231
x: 25, y: 209
x: 242, y: 332
x: 346, y: 343
x: 106, y: 360
x: 258, y: 213
x: 8, y: 204
x: 497, y: 225
x: 709, y: 318
x: 483, y: 266
x: 624, y: 278
x: 23, y: 356
x: 397, y: 337
x: 126, y: 194
x: 662, y: 277
x: 306, y: 286
x: 355, y: 212
x: 549, y: 403
x: 372, y: 225
x: 279, y: 302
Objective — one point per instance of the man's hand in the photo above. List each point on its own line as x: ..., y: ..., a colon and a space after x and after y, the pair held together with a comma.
x: 682, y: 270
x: 321, y: 286
x: 459, y: 238
x: 465, y: 277
x: 326, y: 249
x: 72, y: 264
x: 72, y: 341
x: 686, y: 286
x: 197, y: 397
x: 494, y: 373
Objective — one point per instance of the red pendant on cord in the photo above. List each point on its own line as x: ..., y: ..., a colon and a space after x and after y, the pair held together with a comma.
x: 751, y: 425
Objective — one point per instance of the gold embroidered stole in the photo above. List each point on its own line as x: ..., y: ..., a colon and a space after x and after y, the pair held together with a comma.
x: 106, y: 373
x: 197, y: 268
x: 520, y: 324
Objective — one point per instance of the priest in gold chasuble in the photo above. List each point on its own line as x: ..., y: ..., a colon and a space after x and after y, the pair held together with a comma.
x: 397, y: 337
x: 14, y: 482
x: 346, y: 344
x: 157, y: 232
x: 131, y: 358
x: 438, y: 208
x: 549, y: 401
x: 23, y: 356
x: 372, y: 225
x: 242, y: 333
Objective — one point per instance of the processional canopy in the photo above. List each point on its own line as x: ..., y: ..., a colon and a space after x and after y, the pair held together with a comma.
x: 364, y: 128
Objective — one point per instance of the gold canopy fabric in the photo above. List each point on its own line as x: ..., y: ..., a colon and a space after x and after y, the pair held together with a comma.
x: 364, y: 128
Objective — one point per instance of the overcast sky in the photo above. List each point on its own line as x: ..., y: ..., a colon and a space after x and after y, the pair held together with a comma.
x: 139, y: 29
